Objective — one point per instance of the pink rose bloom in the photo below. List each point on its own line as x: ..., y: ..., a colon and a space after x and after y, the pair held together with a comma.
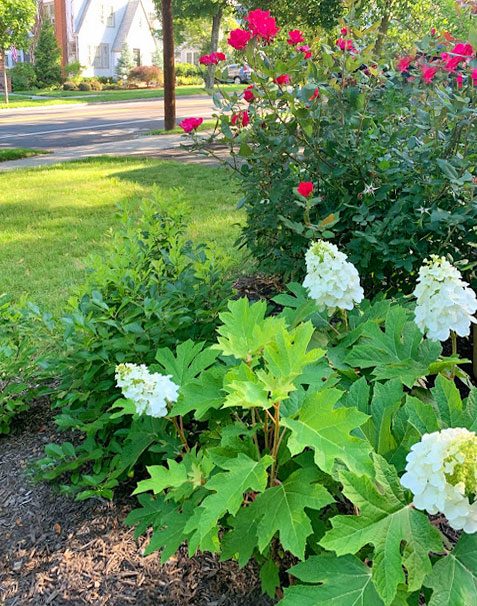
x: 241, y: 119
x: 295, y: 37
x: 220, y: 56
x: 239, y: 38
x: 404, y: 63
x: 315, y: 95
x: 344, y: 31
x: 460, y: 81
x: 428, y: 73
x: 206, y: 60
x: 433, y: 31
x: 190, y: 124
x: 474, y: 76
x: 306, y: 50
x: 346, y: 45
x: 261, y: 25
x: 284, y: 79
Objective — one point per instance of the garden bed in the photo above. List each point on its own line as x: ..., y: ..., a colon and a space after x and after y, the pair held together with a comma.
x: 58, y: 551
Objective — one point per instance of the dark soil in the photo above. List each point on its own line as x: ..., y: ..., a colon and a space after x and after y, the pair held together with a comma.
x: 56, y: 551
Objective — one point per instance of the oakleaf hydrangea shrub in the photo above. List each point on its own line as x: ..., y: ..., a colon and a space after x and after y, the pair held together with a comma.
x: 388, y: 146
x: 22, y: 349
x: 152, y: 289
x: 299, y: 435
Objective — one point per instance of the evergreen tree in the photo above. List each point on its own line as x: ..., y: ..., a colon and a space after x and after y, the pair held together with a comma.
x: 47, y: 57
x: 157, y: 59
x: 125, y: 62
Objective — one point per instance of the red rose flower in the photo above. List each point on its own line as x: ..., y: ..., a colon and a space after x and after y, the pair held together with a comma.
x: 460, y: 81
x: 261, y: 25
x: 239, y: 38
x: 344, y: 31
x: 404, y: 63
x: 248, y: 94
x: 306, y: 50
x: 241, y: 119
x: 190, y: 124
x: 283, y: 79
x: 315, y: 95
x: 428, y: 73
x: 206, y: 60
x: 220, y: 56
x: 474, y: 76
x: 295, y: 37
x: 433, y: 31
x: 305, y: 188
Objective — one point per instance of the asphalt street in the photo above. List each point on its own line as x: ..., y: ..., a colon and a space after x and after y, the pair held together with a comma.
x: 74, y: 125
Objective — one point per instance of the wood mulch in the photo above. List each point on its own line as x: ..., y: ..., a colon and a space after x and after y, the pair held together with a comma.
x: 55, y: 551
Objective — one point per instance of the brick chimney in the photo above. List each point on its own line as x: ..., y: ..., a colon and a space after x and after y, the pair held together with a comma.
x: 61, y: 29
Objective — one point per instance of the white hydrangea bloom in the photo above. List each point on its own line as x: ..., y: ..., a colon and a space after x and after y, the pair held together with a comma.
x: 441, y: 472
x: 444, y: 301
x: 331, y: 280
x: 151, y: 392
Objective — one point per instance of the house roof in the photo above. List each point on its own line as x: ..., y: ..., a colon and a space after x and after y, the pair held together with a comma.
x: 127, y: 22
x: 83, y: 14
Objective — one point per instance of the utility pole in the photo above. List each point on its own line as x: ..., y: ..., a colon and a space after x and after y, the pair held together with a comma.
x: 169, y: 66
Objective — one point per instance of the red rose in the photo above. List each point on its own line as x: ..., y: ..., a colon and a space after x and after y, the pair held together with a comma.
x: 206, y: 60
x: 241, y: 119
x: 315, y: 95
x: 404, y: 63
x: 284, y: 79
x: 248, y: 94
x: 295, y: 37
x: 190, y: 124
x: 239, y: 38
x: 344, y: 31
x: 306, y: 50
x: 261, y: 25
x: 220, y: 56
x: 305, y: 188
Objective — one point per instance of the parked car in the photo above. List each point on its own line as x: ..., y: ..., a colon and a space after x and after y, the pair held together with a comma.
x: 238, y: 74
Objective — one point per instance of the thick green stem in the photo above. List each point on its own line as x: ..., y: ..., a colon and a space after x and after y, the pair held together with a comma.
x: 180, y: 431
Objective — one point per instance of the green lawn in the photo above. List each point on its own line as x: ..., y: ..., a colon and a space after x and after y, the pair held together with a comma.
x: 51, y: 218
x: 18, y: 153
x: 27, y: 102
x: 61, y: 96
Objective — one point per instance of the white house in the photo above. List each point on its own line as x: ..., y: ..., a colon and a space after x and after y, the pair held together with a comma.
x: 94, y: 31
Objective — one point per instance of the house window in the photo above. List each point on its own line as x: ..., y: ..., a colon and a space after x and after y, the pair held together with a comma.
x: 99, y: 56
x: 196, y: 58
x: 49, y: 12
x: 189, y: 58
x: 110, y: 21
x: 137, y: 56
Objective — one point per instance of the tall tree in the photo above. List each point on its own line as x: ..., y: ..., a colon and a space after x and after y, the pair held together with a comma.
x: 300, y: 13
x: 48, y: 57
x: 125, y: 62
x: 16, y: 20
x: 211, y: 9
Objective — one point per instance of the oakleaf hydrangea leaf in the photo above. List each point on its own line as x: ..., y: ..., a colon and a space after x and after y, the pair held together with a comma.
x: 325, y: 429
x: 386, y: 519
x: 189, y: 361
x: 454, y: 578
x: 332, y: 581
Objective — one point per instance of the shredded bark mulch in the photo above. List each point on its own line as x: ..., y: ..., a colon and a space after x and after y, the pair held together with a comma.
x: 57, y: 551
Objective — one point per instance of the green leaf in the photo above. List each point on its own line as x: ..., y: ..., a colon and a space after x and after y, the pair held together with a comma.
x: 245, y: 330
x: 241, y: 474
x: 202, y: 394
x: 332, y: 581
x: 190, y: 360
x: 397, y: 352
x: 242, y: 539
x: 326, y: 430
x: 386, y: 519
x: 244, y: 389
x: 449, y: 404
x: 270, y: 578
x: 454, y: 578
x: 282, y: 510
x: 385, y: 403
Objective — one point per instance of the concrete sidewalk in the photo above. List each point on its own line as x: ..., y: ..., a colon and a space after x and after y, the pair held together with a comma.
x: 139, y: 147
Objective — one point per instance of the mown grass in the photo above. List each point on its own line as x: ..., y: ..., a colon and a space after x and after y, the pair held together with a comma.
x: 113, y: 95
x: 27, y: 102
x: 52, y: 218
x: 19, y: 153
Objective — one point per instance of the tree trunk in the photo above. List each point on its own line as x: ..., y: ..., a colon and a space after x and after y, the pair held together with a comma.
x: 169, y: 66
x: 382, y: 32
x: 214, y: 45
x: 3, y: 62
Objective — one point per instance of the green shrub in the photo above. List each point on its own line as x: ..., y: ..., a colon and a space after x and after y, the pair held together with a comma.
x: 47, y: 58
x: 189, y: 80
x: 294, y: 440
x: 188, y: 69
x: 96, y: 85
x: 85, y: 86
x: 73, y: 71
x: 21, y: 350
x: 23, y: 76
x: 391, y: 157
x: 70, y: 86
x: 154, y: 289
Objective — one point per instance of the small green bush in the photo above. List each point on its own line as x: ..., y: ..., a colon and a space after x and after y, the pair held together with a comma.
x: 85, y: 86
x: 188, y: 69
x: 96, y: 85
x: 70, y: 86
x: 189, y: 80
x: 23, y: 76
x: 153, y: 289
